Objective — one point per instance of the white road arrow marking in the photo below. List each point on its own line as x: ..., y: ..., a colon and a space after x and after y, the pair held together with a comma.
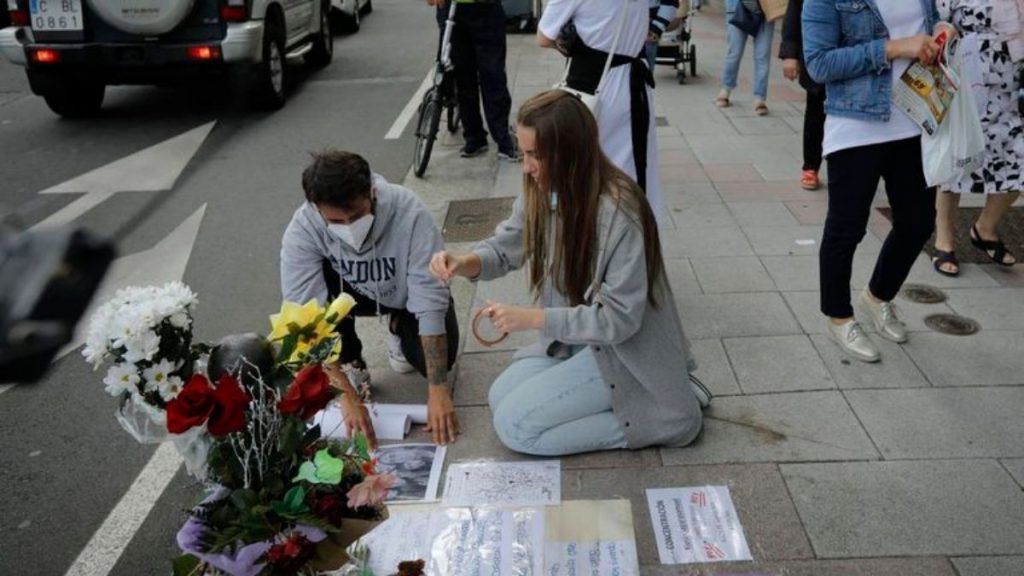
x: 165, y: 262
x: 154, y: 169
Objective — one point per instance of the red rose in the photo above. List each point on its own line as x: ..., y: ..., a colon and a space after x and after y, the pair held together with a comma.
x: 230, y: 404
x: 290, y: 556
x: 308, y: 393
x: 192, y: 406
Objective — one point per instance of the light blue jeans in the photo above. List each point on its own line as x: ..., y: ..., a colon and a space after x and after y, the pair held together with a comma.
x: 550, y: 407
x: 737, y: 41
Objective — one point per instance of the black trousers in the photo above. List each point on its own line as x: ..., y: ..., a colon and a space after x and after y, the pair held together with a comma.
x: 401, y: 322
x: 814, y: 128
x: 478, y: 54
x: 853, y: 177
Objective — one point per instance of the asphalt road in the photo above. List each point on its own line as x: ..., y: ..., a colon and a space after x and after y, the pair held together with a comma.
x: 64, y: 462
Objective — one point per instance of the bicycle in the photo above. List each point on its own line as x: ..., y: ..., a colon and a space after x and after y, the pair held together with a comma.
x: 440, y: 97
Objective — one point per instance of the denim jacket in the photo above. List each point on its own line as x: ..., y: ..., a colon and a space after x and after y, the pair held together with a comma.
x: 844, y: 48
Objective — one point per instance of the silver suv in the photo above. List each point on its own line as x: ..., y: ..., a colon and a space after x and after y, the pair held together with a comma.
x: 73, y: 49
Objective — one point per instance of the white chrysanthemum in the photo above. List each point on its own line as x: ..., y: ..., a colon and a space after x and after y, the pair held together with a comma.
x: 180, y: 320
x: 158, y: 373
x: 121, y: 378
x: 170, y: 388
x: 141, y: 347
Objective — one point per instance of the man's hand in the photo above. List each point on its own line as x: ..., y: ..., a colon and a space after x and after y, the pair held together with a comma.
x: 791, y: 68
x: 514, y: 318
x: 441, y: 419
x: 652, y: 37
x: 357, y: 419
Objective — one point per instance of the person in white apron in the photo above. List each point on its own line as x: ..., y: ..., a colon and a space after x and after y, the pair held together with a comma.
x: 596, y: 22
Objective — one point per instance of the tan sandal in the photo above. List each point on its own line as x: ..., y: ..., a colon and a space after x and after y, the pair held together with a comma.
x: 761, y: 108
x: 722, y: 100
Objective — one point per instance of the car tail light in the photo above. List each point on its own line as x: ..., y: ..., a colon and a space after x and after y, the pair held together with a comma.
x: 19, y: 18
x: 233, y: 11
x: 45, y: 56
x: 203, y: 53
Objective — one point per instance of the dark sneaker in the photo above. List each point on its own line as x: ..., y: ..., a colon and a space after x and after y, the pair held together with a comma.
x: 509, y: 155
x: 473, y: 150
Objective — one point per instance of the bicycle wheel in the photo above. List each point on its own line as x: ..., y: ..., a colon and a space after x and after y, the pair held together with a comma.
x: 426, y: 131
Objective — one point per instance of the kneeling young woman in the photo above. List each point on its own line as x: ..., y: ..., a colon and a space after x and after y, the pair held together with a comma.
x: 611, y: 368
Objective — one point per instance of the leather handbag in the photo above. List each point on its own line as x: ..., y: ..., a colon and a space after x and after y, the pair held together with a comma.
x: 746, y: 19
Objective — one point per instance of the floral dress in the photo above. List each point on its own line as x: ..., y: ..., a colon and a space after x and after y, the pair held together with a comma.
x: 1000, y: 77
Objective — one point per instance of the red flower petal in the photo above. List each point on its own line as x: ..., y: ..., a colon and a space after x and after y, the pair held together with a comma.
x: 192, y: 406
x: 231, y: 402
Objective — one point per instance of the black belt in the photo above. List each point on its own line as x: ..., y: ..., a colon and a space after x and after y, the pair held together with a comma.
x: 585, y: 70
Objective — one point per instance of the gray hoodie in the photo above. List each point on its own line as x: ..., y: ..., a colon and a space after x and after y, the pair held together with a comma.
x: 391, y: 268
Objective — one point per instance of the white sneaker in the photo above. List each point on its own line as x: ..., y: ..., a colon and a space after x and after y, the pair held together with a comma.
x: 396, y: 358
x: 700, y: 391
x: 852, y: 339
x: 884, y: 318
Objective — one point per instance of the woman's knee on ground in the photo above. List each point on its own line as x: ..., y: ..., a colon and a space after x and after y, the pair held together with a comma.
x: 508, y: 425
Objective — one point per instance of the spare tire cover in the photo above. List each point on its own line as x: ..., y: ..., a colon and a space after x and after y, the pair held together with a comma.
x: 142, y: 16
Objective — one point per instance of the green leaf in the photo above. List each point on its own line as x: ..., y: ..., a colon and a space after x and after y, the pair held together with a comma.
x: 288, y: 344
x: 324, y: 469
x: 185, y: 565
x: 362, y: 446
x: 307, y: 472
x: 244, y: 499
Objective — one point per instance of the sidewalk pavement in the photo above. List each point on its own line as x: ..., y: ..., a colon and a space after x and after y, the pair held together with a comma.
x: 913, y: 466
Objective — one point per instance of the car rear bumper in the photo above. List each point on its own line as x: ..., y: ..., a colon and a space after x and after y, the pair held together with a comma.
x: 242, y: 43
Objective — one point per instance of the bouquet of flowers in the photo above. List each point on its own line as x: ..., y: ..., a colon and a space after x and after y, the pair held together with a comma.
x: 283, y: 500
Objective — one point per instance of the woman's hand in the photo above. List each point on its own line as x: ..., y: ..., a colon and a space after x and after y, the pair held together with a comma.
x: 444, y: 266
x: 922, y: 47
x: 357, y: 419
x: 514, y: 318
x: 791, y: 68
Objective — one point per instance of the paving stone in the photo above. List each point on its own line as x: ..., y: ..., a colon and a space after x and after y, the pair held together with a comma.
x: 703, y: 216
x: 762, y: 126
x: 777, y: 364
x: 763, y: 191
x: 704, y: 242
x: 676, y: 142
x: 800, y: 272
x: 994, y: 308
x: 732, y: 274
x: 983, y: 359
x: 713, y: 368
x: 1016, y: 469
x: 989, y: 566
x: 679, y: 197
x: 788, y: 240
x: 806, y: 307
x: 671, y: 157
x: 734, y: 315
x: 930, y: 566
x: 877, y: 509
x: 479, y: 442
x: 681, y: 277
x: 781, y: 171
x: 683, y: 174
x: 732, y: 173
x: 762, y: 214
x: 475, y: 374
x: 800, y: 427
x: 943, y: 422
x: 1005, y: 276
x: 809, y: 212
x: 769, y: 521
x: 896, y: 370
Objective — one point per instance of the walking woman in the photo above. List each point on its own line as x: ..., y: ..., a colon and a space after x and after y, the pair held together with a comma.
x: 611, y: 368
x: 793, y: 68
x: 625, y: 110
x: 857, y: 49
x: 736, y: 40
x: 997, y: 26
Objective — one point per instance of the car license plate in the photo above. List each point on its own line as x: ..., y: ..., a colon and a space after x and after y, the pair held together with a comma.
x: 56, y: 15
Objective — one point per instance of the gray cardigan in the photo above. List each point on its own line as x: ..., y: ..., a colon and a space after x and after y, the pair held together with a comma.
x: 642, y: 352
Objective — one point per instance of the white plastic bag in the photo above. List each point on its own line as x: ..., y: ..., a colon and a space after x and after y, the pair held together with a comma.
x: 957, y: 148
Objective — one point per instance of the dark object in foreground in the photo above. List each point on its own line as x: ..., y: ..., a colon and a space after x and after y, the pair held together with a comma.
x: 47, y: 279
x: 411, y: 568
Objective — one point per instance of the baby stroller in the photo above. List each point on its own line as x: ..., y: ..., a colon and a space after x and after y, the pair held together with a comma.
x: 676, y: 47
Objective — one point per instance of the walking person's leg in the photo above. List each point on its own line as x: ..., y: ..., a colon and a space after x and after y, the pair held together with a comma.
x: 814, y: 129
x: 566, y: 409
x: 947, y: 207
x: 491, y: 49
x: 736, y: 41
x: 996, y: 206
x: 853, y: 178
x: 762, y: 66
x: 467, y: 82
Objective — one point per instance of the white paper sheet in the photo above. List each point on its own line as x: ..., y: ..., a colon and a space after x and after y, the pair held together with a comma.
x: 417, y: 413
x: 697, y: 524
x: 387, y: 425
x: 504, y: 484
x: 461, y: 542
x: 591, y: 559
x: 418, y: 468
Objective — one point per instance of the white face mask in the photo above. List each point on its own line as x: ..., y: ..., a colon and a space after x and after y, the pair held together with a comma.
x: 353, y: 234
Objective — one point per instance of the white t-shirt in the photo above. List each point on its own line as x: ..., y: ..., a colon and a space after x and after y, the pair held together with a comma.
x: 903, y: 18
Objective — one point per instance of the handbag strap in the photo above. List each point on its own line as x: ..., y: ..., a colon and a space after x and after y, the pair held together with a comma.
x: 611, y: 52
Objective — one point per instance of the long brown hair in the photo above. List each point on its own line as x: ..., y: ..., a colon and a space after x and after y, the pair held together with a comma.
x: 578, y: 172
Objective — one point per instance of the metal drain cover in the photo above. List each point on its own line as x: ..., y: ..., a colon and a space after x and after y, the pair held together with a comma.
x: 923, y: 294
x: 952, y: 324
x: 472, y: 220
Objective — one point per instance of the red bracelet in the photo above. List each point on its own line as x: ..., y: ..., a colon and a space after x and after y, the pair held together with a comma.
x: 476, y: 331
